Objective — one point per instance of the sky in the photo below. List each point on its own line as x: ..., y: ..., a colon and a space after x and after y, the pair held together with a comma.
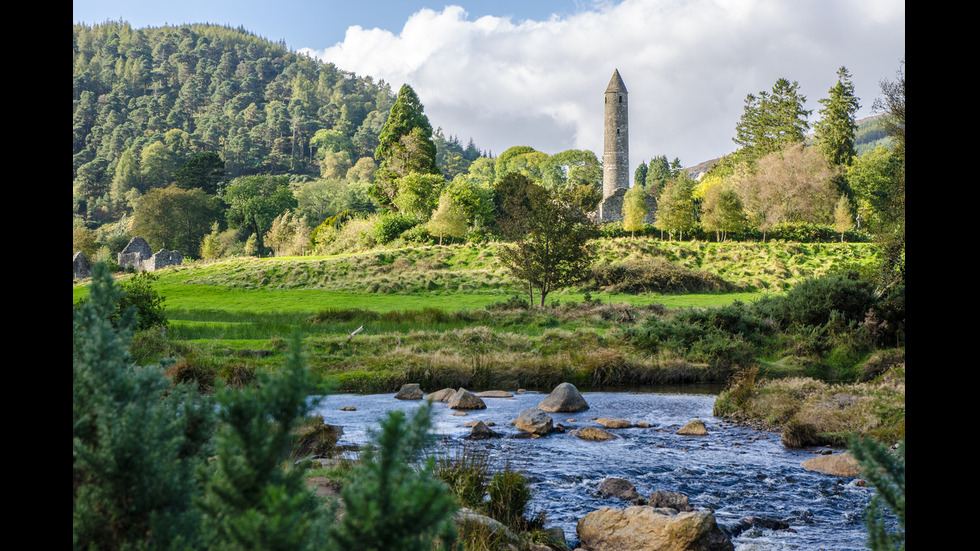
x: 533, y: 72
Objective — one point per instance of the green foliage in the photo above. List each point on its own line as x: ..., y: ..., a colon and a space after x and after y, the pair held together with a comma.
x: 175, y: 219
x: 676, y: 208
x: 571, y: 168
x: 723, y: 337
x: 202, y: 171
x: 553, y: 249
x: 255, y: 201
x: 390, y: 226
x: 252, y: 502
x: 771, y: 120
x: 137, y: 294
x: 655, y: 275
x: 812, y: 302
x: 392, y: 503
x: 885, y: 470
x: 872, y: 176
x: 449, y: 220
x: 418, y: 194
x: 836, y: 128
x: 136, y: 441
x: 466, y: 473
x: 634, y: 209
x: 405, y: 146
x: 510, y: 494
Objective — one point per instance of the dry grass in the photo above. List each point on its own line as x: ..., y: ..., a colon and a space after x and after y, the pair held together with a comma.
x: 833, y: 411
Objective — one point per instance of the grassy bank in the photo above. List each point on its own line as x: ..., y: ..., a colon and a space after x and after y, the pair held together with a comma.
x: 452, y: 316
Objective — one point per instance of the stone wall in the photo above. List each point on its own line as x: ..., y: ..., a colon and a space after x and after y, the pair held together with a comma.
x: 80, y: 268
x: 138, y: 256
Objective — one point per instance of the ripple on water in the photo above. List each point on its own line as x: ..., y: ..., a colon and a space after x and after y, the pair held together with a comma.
x: 735, y: 471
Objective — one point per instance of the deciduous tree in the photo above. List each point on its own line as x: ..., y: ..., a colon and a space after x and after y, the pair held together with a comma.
x: 449, y: 220
x: 554, y: 249
x: 175, y: 219
x: 634, y: 209
x: 255, y: 201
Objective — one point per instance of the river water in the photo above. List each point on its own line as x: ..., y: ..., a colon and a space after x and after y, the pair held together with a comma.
x: 735, y: 471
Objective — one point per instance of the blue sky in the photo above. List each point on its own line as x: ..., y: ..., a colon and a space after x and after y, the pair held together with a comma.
x: 533, y: 72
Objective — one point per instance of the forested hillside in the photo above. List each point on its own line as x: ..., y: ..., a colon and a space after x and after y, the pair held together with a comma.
x: 159, y: 105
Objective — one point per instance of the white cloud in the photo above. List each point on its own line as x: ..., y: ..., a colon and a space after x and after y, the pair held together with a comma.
x: 687, y: 65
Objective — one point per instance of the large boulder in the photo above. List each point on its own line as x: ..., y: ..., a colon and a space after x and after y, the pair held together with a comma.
x: 645, y: 528
x: 565, y: 398
x: 464, y: 399
x: 694, y: 428
x: 410, y: 391
x: 842, y: 465
x: 534, y: 421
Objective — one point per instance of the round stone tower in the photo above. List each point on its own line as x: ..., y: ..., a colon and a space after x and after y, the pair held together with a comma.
x: 616, y: 151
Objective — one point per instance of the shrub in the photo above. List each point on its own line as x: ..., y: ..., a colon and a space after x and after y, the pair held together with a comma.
x: 136, y: 440
x: 390, y: 226
x: 655, y: 275
x: 811, y: 302
x: 797, y: 434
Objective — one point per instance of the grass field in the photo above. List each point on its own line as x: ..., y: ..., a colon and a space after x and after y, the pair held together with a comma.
x: 446, y: 317
x: 411, y: 299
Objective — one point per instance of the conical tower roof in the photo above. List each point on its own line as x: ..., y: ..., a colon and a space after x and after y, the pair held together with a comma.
x: 616, y: 83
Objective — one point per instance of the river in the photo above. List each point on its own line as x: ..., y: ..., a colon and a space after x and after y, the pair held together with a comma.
x: 735, y: 471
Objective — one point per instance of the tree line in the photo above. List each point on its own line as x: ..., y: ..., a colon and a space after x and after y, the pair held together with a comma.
x: 781, y: 174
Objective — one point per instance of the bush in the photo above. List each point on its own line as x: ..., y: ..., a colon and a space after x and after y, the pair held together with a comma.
x: 655, y: 275
x: 390, y: 226
x: 138, y: 293
x: 722, y: 337
x: 811, y: 302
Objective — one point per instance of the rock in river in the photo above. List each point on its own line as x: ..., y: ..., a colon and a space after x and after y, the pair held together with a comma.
x: 410, y: 391
x: 464, y: 399
x: 644, y: 528
x: 843, y: 465
x: 534, y: 421
x: 565, y: 398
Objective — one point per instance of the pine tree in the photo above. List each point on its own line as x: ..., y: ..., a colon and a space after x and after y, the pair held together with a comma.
x: 391, y: 503
x: 837, y: 125
x: 405, y: 146
x: 771, y: 120
x: 886, y: 472
x: 251, y: 500
x: 136, y: 440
